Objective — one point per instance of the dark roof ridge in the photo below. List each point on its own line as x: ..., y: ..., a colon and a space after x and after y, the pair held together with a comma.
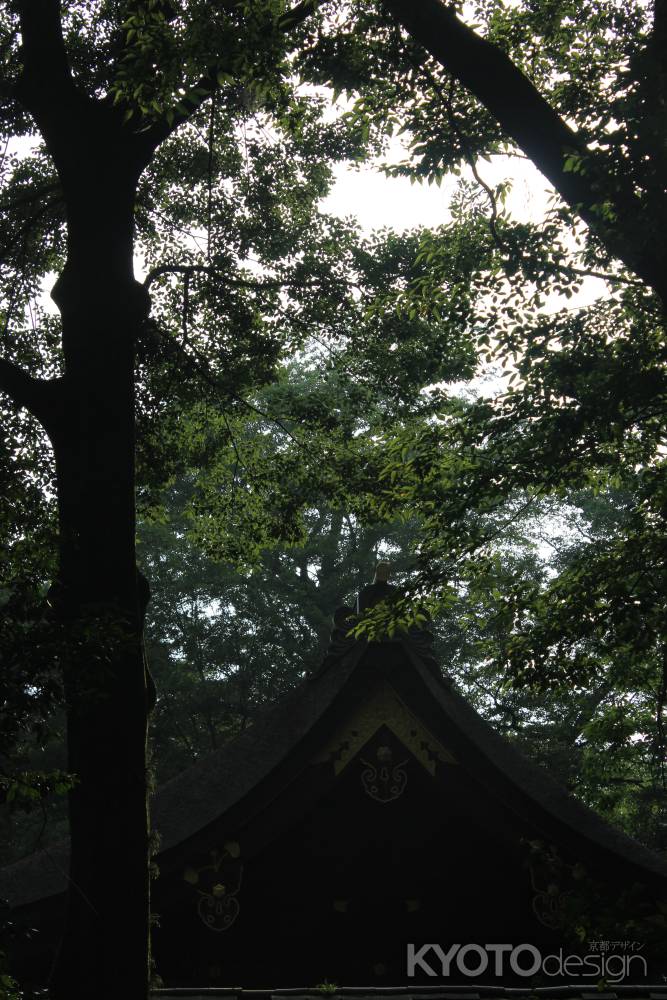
x: 254, y: 753
x: 535, y: 781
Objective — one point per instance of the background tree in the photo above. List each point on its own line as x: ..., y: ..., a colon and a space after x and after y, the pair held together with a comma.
x: 238, y: 639
x: 225, y: 643
x: 595, y: 730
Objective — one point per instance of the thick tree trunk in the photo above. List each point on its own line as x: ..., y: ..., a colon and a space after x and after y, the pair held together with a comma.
x: 105, y: 949
x: 89, y: 416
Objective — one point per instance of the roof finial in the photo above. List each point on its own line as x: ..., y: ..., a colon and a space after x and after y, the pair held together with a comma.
x: 377, y: 591
x: 382, y: 572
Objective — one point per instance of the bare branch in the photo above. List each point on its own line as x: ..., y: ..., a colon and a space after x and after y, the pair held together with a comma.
x: 186, y: 306
x: 298, y: 14
x: 200, y: 366
x: 33, y: 394
x: 209, y: 183
x: 267, y: 416
x: 586, y: 272
x: 451, y: 118
x: 190, y: 269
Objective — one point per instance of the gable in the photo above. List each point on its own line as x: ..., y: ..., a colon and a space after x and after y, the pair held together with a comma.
x: 382, y: 706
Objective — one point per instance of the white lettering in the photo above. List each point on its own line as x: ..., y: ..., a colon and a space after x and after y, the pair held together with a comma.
x: 640, y: 958
x: 571, y: 965
x: 483, y: 960
x: 445, y: 959
x: 514, y: 961
x: 417, y: 958
x: 473, y: 960
x: 592, y: 961
x: 498, y: 950
x: 558, y: 959
x: 620, y: 973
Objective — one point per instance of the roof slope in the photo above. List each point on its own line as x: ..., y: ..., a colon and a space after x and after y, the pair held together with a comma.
x: 205, y: 790
x: 504, y: 763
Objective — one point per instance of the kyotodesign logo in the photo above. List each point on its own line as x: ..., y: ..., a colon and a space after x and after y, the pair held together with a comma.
x: 526, y: 960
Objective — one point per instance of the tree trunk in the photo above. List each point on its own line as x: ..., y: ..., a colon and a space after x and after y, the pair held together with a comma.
x: 89, y: 416
x: 104, y: 952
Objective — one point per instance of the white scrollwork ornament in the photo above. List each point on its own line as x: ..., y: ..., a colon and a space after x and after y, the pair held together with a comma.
x: 217, y: 913
x: 217, y: 905
x: 384, y: 781
x: 549, y: 901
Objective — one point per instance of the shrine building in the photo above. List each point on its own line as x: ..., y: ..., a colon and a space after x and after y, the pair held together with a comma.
x: 368, y: 814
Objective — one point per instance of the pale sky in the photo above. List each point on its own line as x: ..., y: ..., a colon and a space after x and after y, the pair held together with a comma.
x: 377, y: 201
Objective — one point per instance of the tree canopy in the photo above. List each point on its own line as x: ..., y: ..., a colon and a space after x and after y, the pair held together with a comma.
x: 198, y: 139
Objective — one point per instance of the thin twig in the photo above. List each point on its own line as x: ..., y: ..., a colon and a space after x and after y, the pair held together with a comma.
x: 189, y: 269
x: 267, y: 416
x: 500, y: 243
x: 4, y: 153
x: 211, y: 137
x: 186, y: 305
x: 70, y: 880
x: 237, y: 461
x: 470, y: 159
x: 660, y: 722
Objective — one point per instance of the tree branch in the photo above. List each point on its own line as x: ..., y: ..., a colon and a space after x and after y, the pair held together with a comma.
x: 82, y: 133
x: 298, y: 14
x: 199, y: 365
x: 488, y: 73
x: 33, y: 394
x: 491, y: 76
